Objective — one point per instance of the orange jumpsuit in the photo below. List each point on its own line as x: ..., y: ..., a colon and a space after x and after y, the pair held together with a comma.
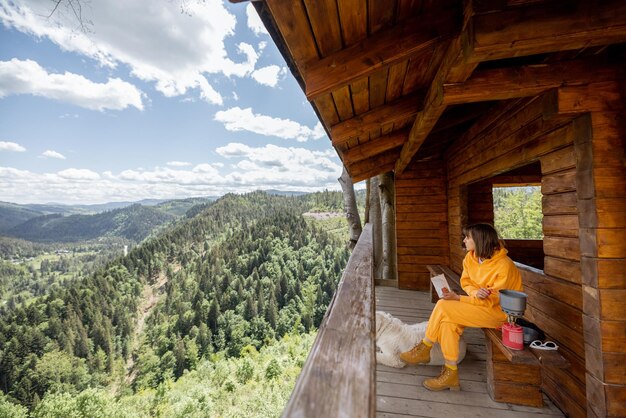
x: 450, y: 317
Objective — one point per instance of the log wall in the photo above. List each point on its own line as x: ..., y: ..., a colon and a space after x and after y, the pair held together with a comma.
x: 421, y: 223
x: 526, y: 134
x: 526, y: 251
x: 577, y: 138
x: 601, y: 193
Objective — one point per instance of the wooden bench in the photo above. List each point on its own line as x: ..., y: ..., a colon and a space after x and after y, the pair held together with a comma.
x: 513, y: 376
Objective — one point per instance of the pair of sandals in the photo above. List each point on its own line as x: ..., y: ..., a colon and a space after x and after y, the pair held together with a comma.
x: 548, y: 345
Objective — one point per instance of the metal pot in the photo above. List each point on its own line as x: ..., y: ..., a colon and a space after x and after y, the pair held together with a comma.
x: 530, y: 335
x: 513, y: 302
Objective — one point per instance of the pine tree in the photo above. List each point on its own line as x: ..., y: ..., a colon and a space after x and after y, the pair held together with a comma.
x: 214, y: 313
x: 250, y: 309
x: 271, y: 313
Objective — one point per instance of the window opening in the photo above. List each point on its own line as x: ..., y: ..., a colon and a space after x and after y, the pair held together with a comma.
x: 517, y: 212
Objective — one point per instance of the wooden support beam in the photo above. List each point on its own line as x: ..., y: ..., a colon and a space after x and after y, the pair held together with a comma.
x: 525, y: 81
x: 379, y: 164
x: 374, y: 172
x: 396, y: 111
x: 548, y: 27
x: 458, y: 115
x: 376, y: 146
x: 409, y: 40
x: 454, y: 68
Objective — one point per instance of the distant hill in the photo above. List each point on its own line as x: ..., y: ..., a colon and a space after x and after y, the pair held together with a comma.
x: 284, y: 193
x: 12, y: 214
x: 180, y: 207
x: 135, y: 222
x: 65, y: 209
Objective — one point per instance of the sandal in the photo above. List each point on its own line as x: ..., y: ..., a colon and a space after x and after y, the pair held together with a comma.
x: 548, y: 345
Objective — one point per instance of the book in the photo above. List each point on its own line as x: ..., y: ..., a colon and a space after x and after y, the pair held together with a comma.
x: 439, y: 282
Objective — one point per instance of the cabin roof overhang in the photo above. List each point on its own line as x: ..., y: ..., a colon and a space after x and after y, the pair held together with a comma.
x: 398, y: 82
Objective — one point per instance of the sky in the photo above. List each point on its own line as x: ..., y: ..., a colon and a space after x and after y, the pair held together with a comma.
x: 150, y: 99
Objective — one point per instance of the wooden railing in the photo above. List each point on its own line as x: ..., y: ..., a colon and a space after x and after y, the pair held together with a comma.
x: 338, y: 378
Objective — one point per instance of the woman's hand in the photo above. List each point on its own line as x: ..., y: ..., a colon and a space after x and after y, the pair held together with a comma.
x: 483, y: 293
x: 449, y: 294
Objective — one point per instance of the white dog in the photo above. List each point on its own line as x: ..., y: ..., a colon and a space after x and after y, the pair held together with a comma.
x: 394, y: 336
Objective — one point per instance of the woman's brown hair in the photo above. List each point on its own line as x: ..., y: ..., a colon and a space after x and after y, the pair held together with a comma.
x: 485, y: 238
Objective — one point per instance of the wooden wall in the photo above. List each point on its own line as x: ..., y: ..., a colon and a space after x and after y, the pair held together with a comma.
x: 520, y: 133
x: 421, y: 223
x: 601, y: 192
x: 577, y: 136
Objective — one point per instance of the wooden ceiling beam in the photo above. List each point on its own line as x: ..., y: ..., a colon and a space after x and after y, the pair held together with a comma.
x: 548, y: 27
x: 380, y: 164
x: 379, y: 170
x: 376, y: 146
x: 454, y: 68
x: 395, y: 111
x: 458, y: 115
x: 410, y: 39
x: 525, y: 81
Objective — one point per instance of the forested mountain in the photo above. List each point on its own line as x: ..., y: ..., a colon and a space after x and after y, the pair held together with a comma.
x: 12, y: 215
x: 134, y: 223
x: 240, y: 274
x: 180, y: 207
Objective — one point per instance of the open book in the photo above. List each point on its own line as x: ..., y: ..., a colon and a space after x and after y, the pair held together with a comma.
x: 439, y: 282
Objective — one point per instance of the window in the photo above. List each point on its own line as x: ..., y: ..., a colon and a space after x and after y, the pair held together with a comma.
x: 517, y: 212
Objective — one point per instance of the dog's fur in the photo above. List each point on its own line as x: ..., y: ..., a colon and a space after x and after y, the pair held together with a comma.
x: 393, y: 337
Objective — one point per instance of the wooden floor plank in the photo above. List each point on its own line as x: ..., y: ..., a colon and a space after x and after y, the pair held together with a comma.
x: 400, y: 393
x: 446, y: 410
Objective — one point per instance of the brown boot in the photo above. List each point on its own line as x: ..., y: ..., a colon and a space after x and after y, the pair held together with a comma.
x: 448, y: 379
x: 420, y: 354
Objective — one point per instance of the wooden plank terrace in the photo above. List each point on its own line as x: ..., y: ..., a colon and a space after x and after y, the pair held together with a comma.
x: 400, y: 394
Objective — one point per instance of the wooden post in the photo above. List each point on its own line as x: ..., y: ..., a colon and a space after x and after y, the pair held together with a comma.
x: 388, y: 209
x: 349, y: 205
x: 600, y: 144
x: 376, y: 221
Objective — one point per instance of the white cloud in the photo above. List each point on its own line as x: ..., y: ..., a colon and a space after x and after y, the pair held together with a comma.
x: 28, y: 77
x: 53, y: 154
x: 178, y: 163
x: 78, y: 174
x: 176, y: 51
x: 268, y: 76
x: 254, y: 21
x: 11, y: 146
x: 237, y: 119
x: 206, y: 169
x: 272, y: 164
x: 253, y: 168
x: 319, y: 132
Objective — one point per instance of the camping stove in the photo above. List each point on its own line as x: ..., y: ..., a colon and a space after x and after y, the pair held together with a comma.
x: 512, y: 334
x: 513, y: 304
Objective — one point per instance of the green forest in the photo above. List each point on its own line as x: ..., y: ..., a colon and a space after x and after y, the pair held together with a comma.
x: 517, y: 212
x: 225, y: 299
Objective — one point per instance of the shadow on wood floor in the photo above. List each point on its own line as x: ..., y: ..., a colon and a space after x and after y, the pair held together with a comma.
x: 399, y: 392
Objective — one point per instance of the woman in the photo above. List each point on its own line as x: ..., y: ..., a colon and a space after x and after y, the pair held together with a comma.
x: 486, y: 270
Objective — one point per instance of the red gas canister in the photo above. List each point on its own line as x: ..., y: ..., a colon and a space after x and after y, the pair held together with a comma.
x: 513, y: 336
